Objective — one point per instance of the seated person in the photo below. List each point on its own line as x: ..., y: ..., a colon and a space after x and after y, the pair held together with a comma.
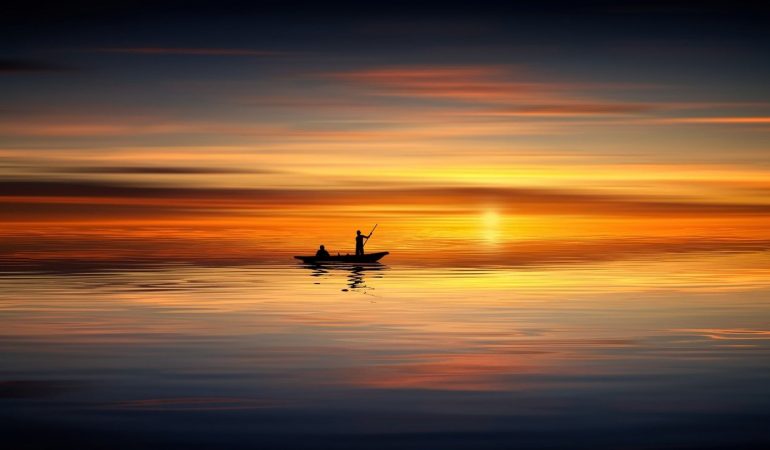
x: 322, y: 253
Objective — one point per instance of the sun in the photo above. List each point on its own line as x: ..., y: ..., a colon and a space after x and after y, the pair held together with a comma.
x: 490, y: 226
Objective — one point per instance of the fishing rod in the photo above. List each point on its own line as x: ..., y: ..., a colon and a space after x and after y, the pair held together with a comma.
x: 370, y: 234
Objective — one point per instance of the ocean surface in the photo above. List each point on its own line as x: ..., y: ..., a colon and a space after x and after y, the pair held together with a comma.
x: 647, y: 351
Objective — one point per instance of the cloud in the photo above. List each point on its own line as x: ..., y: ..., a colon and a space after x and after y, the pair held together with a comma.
x: 187, y: 51
x: 156, y: 170
x: 575, y: 109
x: 486, y: 84
x: 41, y: 196
x: 147, y: 125
x: 737, y: 120
x: 403, y: 126
x: 502, y: 91
x: 194, y: 404
x: 14, y: 66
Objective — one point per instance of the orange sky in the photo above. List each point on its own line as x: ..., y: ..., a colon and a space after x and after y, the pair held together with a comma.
x: 291, y: 147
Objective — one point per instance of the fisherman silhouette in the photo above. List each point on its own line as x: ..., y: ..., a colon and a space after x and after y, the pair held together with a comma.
x: 322, y: 253
x: 360, y: 242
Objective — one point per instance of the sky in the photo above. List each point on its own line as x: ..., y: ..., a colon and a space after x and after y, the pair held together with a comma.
x: 242, y: 128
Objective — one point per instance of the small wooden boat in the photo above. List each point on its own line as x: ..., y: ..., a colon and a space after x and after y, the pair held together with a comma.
x: 365, y: 258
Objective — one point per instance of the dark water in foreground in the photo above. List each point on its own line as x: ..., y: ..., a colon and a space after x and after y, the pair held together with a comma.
x: 664, y: 353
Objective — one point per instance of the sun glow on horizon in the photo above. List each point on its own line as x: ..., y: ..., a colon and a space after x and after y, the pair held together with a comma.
x: 491, y: 226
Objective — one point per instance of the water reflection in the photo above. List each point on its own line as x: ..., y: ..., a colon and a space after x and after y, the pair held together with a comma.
x: 357, y: 274
x: 265, y: 356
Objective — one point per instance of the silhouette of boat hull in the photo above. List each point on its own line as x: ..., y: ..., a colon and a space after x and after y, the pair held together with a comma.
x: 365, y: 258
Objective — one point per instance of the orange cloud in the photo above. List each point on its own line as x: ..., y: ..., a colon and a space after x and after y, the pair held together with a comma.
x: 575, y: 109
x: 487, y: 84
x: 761, y: 120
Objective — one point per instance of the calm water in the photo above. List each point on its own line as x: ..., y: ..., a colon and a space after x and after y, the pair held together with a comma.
x: 658, y: 352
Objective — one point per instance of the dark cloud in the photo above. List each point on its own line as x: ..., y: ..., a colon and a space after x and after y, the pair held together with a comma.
x: 157, y: 170
x: 11, y: 66
x: 187, y: 51
x: 534, y: 201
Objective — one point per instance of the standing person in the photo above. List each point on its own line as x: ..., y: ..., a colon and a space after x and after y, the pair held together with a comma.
x: 360, y: 242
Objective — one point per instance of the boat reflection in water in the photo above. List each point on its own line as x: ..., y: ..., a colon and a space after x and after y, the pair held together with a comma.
x: 357, y: 273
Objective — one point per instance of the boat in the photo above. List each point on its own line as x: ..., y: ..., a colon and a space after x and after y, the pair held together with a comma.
x: 365, y: 258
